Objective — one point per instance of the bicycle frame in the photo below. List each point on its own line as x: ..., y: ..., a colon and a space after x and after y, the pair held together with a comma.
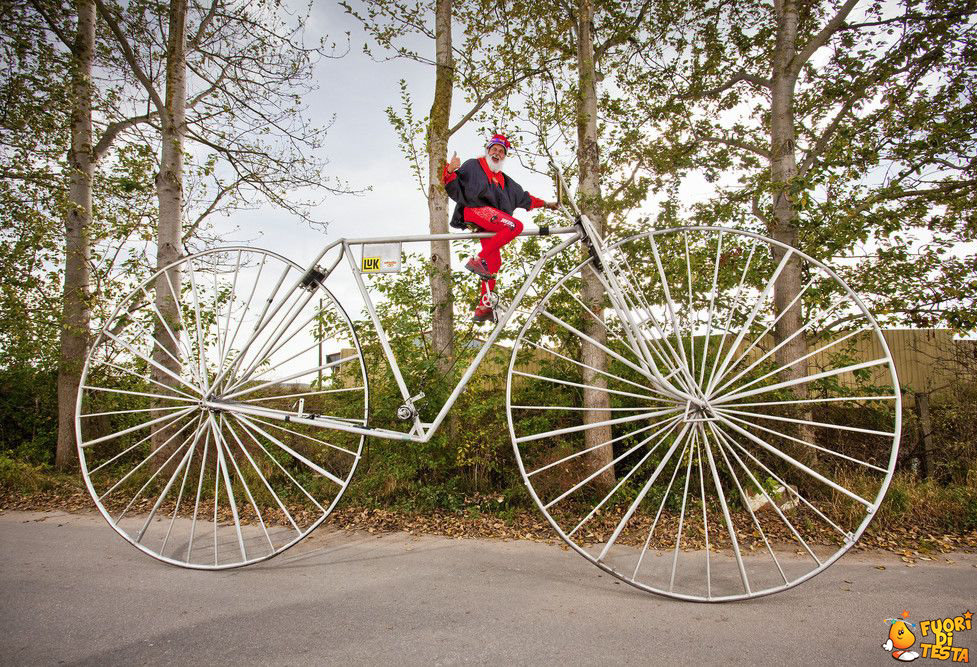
x: 582, y: 231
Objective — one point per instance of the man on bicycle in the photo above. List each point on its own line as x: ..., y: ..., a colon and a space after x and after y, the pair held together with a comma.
x: 486, y: 198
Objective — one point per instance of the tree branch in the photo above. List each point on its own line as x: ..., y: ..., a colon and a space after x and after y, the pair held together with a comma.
x: 55, y: 28
x: 129, y: 55
x: 626, y: 182
x: 622, y: 36
x: 224, y: 191
x: 736, y: 143
x: 113, y: 130
x: 484, y: 99
x: 740, y: 76
x: 202, y: 28
x: 820, y: 39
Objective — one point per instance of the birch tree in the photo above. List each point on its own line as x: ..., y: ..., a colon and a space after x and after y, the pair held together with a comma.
x: 74, y: 27
x: 231, y: 86
x: 582, y: 44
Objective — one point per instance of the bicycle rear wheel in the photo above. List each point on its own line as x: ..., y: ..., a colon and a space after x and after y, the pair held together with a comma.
x: 742, y: 433
x: 178, y: 476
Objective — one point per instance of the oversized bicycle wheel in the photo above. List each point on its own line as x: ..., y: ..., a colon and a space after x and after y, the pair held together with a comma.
x: 726, y: 432
x: 176, y: 473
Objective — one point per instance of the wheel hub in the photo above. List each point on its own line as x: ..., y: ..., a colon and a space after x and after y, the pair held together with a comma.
x: 698, y: 410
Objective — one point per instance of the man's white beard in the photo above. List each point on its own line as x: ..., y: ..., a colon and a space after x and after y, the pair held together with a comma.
x: 495, y: 166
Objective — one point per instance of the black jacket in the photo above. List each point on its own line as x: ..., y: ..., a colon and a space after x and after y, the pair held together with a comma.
x: 469, y: 187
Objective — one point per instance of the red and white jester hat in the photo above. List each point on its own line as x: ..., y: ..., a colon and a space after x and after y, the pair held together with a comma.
x: 501, y: 141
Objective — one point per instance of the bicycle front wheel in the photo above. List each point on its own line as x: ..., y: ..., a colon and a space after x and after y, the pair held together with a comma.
x: 722, y: 424
x: 170, y: 466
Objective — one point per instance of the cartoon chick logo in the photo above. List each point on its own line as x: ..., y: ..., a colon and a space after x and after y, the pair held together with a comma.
x: 901, y: 637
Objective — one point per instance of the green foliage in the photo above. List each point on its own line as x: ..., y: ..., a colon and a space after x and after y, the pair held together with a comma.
x: 28, y: 414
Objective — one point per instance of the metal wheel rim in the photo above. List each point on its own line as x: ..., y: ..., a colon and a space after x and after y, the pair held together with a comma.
x: 147, y: 284
x: 875, y: 333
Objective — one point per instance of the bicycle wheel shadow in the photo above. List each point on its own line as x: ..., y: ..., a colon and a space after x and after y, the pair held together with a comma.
x: 337, y: 547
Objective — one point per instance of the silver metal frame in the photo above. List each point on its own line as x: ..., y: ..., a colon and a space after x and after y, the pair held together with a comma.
x: 420, y: 431
x: 583, y: 230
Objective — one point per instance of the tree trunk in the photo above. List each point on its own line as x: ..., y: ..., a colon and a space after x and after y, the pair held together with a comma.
x: 592, y: 292
x: 76, y: 314
x: 783, y: 226
x: 926, y: 448
x: 442, y: 320
x: 169, y: 192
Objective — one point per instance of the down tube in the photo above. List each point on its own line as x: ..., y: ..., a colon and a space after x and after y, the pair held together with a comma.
x: 470, y: 371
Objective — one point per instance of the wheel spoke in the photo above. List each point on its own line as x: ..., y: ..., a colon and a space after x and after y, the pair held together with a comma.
x: 681, y: 517
x: 302, y: 435
x: 301, y: 394
x: 593, y: 342
x: 597, y: 472
x: 150, y: 380
x: 247, y: 426
x: 586, y: 427
x: 224, y: 365
x: 88, y: 387
x: 806, y: 422
x: 264, y: 480
x: 720, y: 435
x: 568, y: 383
x: 244, y: 482
x: 671, y: 425
x: 179, y: 498
x: 166, y: 489
x: 294, y: 376
x: 730, y: 528
x: 781, y: 481
x: 712, y: 307
x: 222, y: 465
x: 700, y: 438
x: 744, y: 330
x: 784, y: 367
x: 641, y: 495
x: 746, y: 503
x: 595, y: 370
x: 786, y: 436
x: 153, y: 363
x: 661, y: 506
x: 734, y: 307
x: 141, y: 441
x: 804, y: 380
x: 603, y: 444
x: 200, y: 488
x: 138, y: 427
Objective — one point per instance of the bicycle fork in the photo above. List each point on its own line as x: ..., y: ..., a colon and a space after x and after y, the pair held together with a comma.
x: 606, y: 270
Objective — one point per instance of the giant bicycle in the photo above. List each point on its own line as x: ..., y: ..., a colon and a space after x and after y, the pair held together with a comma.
x: 697, y: 431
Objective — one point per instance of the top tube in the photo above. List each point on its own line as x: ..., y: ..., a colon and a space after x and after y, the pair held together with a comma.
x: 555, y: 231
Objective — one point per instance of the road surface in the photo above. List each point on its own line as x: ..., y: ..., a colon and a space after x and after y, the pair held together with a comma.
x: 75, y: 593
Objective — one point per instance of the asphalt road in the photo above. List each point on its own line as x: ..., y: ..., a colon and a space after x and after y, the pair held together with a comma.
x: 75, y: 593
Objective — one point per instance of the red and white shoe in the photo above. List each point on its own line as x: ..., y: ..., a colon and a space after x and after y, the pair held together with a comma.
x: 483, y: 311
x: 479, y: 267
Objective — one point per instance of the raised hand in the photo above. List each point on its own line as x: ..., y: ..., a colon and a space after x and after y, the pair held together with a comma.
x: 454, y: 162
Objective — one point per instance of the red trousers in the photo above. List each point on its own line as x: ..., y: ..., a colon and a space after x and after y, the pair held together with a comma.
x: 505, y: 227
